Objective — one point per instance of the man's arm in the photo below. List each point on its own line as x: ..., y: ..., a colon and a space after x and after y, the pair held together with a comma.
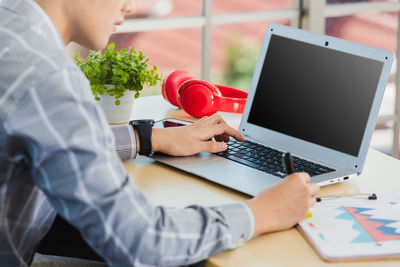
x: 178, y: 141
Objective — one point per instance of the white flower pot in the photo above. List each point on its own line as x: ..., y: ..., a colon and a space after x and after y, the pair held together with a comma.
x: 117, y: 114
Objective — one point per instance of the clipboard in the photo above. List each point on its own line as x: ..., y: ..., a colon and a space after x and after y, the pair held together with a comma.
x: 349, y: 229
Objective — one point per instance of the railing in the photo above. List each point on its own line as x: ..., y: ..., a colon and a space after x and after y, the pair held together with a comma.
x: 307, y: 14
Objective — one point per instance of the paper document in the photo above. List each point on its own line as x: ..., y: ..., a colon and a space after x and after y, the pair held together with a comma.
x: 354, y: 227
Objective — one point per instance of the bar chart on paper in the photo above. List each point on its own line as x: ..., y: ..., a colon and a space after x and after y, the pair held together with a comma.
x: 350, y: 228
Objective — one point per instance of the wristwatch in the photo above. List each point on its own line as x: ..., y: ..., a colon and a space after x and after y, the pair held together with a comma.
x: 144, y: 129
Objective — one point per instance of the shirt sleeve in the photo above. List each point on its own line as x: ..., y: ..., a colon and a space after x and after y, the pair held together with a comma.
x: 125, y: 141
x: 72, y: 154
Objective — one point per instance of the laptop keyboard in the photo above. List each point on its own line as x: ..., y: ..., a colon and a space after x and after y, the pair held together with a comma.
x: 268, y: 160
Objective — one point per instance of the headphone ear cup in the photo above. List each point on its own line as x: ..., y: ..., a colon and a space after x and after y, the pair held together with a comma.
x: 198, y: 98
x: 171, y: 85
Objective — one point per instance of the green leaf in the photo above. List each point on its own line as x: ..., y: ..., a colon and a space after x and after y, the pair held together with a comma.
x: 111, y: 46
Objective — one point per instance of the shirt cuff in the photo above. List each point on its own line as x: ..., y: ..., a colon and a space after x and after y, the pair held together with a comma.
x: 125, y: 141
x: 241, y: 221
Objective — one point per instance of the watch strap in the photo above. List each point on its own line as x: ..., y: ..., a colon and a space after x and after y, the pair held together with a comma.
x: 144, y: 132
x: 144, y: 129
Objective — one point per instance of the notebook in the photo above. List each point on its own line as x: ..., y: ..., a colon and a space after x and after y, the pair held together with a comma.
x: 312, y: 95
x: 355, y: 228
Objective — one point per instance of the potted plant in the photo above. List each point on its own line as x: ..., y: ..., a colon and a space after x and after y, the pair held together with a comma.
x: 116, y: 78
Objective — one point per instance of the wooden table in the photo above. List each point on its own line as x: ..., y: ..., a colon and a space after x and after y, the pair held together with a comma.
x: 170, y: 187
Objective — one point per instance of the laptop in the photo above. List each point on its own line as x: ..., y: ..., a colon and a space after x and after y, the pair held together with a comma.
x: 312, y: 95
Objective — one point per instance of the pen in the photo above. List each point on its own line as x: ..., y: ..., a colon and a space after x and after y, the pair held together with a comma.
x: 287, y: 160
x: 369, y: 196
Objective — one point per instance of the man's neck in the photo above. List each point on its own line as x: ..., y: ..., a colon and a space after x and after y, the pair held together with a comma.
x: 55, y: 11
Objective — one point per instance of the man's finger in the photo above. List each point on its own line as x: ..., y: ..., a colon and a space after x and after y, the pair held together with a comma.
x: 218, y: 138
x: 214, y: 147
x: 218, y: 129
x: 202, y: 120
x: 225, y: 137
x: 222, y: 138
x: 216, y: 119
x: 314, y: 189
x: 311, y: 201
x: 305, y: 176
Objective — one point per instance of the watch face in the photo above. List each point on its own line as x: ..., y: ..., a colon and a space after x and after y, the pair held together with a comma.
x: 136, y: 122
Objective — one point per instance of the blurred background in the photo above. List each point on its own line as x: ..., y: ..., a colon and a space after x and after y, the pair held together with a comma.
x: 219, y: 40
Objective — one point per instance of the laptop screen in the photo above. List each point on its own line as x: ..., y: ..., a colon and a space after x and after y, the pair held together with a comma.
x: 315, y: 93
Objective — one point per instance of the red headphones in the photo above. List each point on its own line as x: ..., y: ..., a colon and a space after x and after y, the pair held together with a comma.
x: 200, y: 98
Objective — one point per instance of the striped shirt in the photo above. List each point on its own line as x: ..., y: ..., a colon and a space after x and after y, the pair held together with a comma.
x: 58, y: 155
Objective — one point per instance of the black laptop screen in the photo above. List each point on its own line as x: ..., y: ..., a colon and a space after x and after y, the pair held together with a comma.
x: 315, y: 94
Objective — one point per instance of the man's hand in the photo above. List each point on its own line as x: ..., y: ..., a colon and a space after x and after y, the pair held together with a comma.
x: 194, y: 138
x: 283, y: 205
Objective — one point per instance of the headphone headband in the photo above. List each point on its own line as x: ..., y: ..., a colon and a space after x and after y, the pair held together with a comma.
x: 230, y: 104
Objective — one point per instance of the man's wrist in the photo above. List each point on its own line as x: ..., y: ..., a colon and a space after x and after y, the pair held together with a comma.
x: 155, y: 136
x: 260, y: 226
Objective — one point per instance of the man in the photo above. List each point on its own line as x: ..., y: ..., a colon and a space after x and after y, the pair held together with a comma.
x: 58, y: 155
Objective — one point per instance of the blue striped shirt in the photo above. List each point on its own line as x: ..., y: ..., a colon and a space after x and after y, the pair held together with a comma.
x: 58, y: 155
